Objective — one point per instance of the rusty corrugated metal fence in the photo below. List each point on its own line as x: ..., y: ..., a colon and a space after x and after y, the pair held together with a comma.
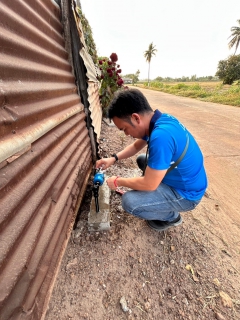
x: 80, y: 54
x: 45, y: 154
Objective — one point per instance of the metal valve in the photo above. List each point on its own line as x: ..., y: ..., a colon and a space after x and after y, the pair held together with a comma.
x: 98, y: 181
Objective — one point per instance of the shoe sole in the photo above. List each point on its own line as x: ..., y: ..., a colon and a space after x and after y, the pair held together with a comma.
x: 166, y: 227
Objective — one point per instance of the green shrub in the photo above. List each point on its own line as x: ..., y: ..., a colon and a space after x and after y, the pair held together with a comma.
x: 180, y: 86
x: 195, y: 87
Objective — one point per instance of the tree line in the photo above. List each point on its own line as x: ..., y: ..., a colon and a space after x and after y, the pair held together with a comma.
x: 193, y: 78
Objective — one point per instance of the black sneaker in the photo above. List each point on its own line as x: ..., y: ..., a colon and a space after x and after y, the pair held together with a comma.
x: 159, y: 225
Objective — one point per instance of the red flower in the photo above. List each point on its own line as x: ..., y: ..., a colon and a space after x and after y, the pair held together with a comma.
x: 114, y: 57
x: 109, y: 70
x: 110, y: 74
x: 119, y: 71
x: 109, y: 63
x: 102, y: 76
x: 120, y: 82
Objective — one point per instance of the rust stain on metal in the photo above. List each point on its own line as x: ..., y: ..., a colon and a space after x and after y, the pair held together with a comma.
x: 45, y: 154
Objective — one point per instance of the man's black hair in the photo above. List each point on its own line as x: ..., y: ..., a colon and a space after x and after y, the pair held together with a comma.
x: 127, y: 102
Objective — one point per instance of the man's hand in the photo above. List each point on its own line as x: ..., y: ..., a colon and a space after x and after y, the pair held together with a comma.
x: 110, y: 182
x: 105, y: 163
x: 149, y: 182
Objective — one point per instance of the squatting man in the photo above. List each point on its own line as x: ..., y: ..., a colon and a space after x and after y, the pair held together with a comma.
x: 173, y: 180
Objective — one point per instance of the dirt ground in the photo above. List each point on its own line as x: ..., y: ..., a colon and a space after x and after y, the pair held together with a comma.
x: 133, y: 272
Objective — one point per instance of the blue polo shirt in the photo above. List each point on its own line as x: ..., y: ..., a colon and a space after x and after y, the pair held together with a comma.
x: 167, y: 142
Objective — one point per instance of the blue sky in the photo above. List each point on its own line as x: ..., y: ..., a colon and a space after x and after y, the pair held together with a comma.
x: 190, y: 36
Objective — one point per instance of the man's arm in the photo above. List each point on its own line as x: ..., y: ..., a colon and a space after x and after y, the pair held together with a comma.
x: 132, y: 149
x: 127, y: 152
x: 149, y: 182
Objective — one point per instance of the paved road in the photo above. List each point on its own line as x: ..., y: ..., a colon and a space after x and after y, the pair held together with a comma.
x: 216, y: 127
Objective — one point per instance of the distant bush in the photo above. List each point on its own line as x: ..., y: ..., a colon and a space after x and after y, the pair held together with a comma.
x: 229, y: 69
x: 180, y: 86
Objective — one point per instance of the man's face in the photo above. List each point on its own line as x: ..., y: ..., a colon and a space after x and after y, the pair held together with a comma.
x: 132, y: 129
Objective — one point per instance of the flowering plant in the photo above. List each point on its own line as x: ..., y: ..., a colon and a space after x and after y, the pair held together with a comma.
x: 110, y: 79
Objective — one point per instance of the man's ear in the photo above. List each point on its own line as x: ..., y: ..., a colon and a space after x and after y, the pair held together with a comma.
x: 136, y: 117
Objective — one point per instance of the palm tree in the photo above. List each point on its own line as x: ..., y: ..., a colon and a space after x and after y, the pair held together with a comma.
x: 148, y: 55
x: 235, y: 37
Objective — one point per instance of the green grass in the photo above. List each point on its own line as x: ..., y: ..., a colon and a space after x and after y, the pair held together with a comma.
x: 205, y: 91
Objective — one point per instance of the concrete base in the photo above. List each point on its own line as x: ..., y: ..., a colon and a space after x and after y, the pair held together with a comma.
x: 100, y: 221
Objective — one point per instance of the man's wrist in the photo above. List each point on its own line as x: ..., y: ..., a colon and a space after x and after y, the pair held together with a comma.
x: 115, y: 182
x: 115, y: 156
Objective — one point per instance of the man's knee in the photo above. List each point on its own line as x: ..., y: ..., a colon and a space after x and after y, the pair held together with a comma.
x: 127, y: 202
x: 141, y: 161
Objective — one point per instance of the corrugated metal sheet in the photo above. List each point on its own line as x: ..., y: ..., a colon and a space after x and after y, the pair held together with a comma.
x: 91, y: 68
x: 93, y: 83
x: 95, y: 107
x: 45, y: 154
